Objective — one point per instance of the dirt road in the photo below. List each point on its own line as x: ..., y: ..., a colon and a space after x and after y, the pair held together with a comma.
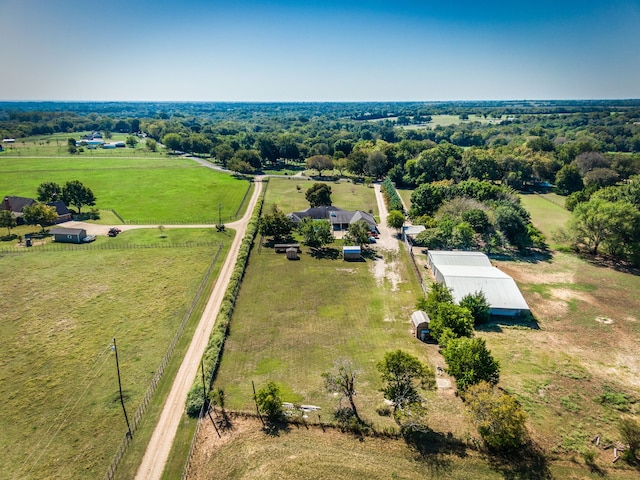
x: 388, y: 238
x: 162, y: 439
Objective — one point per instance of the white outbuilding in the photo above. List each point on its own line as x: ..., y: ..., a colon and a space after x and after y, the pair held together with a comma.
x: 470, y: 272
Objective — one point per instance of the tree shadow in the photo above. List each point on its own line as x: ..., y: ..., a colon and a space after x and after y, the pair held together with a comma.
x: 325, y: 253
x: 495, y: 324
x: 274, y: 428
x: 526, y: 463
x: 528, y: 256
x: 604, y: 261
x: 432, y: 448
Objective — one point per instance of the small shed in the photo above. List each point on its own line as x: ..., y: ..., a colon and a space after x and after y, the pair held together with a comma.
x: 420, y: 325
x: 68, y: 235
x: 292, y: 253
x: 352, y: 253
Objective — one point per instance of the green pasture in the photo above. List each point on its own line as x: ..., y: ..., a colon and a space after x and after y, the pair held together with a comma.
x: 142, y: 191
x: 61, y: 412
x: 448, y: 120
x: 405, y: 194
x: 547, y: 212
x: 56, y: 145
x: 289, y: 195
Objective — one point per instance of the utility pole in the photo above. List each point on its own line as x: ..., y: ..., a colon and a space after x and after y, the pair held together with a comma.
x: 115, y: 349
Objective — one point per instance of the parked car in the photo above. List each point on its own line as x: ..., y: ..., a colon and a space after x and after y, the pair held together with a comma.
x: 89, y: 238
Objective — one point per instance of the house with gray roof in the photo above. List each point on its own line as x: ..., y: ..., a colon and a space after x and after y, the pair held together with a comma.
x: 338, y: 218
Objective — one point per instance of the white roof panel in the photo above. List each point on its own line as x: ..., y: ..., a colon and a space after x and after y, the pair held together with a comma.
x: 443, y: 257
x: 501, y: 293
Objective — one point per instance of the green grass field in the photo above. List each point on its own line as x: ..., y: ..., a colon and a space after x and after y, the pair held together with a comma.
x: 547, y: 212
x: 61, y: 412
x: 165, y: 190
x: 289, y: 195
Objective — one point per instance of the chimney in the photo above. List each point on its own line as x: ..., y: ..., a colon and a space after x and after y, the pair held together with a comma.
x: 5, y: 204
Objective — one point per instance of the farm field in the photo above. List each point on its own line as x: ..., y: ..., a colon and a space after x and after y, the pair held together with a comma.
x: 61, y: 309
x: 547, y: 211
x: 573, y: 372
x: 145, y: 191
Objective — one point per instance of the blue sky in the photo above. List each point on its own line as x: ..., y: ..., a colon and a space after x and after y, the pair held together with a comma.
x: 197, y: 50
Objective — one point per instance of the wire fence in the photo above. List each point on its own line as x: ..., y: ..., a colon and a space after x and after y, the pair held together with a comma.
x: 67, y: 247
x: 416, y: 268
x: 160, y: 371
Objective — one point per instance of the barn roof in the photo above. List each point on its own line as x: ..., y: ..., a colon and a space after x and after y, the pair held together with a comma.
x: 67, y: 231
x: 442, y: 257
x: 471, y: 272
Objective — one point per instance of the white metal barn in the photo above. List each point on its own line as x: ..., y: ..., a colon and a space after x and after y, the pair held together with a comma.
x: 470, y: 272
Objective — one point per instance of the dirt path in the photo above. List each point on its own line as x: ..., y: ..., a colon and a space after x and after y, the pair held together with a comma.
x: 388, y: 238
x: 161, y: 441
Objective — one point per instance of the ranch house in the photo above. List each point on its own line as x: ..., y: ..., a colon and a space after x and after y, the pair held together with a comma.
x: 338, y: 218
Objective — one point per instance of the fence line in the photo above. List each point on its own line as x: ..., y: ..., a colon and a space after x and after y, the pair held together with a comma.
x: 163, y: 364
x: 104, y: 246
x: 244, y: 199
x: 416, y: 268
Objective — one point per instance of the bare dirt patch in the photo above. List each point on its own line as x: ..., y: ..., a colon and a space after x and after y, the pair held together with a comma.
x: 383, y: 270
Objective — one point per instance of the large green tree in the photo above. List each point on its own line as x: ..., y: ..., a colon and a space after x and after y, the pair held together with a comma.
x: 315, y: 233
x: 319, y: 163
x: 601, y: 221
x: 469, y: 362
x: 269, y: 401
x: 452, y: 318
x: 172, y: 141
x: 318, y: 195
x: 395, y: 219
x: 478, y: 305
x: 403, y: 376
x: 76, y: 194
x: 275, y: 224
x: 498, y: 416
x: 357, y: 234
x: 39, y: 214
x: 569, y: 180
x: 49, y: 192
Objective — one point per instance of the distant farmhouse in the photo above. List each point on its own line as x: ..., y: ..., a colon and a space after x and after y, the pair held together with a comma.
x: 16, y: 205
x: 338, y: 218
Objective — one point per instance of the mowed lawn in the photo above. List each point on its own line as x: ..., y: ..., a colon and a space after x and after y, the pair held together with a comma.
x: 289, y: 195
x: 295, y: 318
x: 164, y: 190
x: 547, y: 212
x: 61, y: 416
